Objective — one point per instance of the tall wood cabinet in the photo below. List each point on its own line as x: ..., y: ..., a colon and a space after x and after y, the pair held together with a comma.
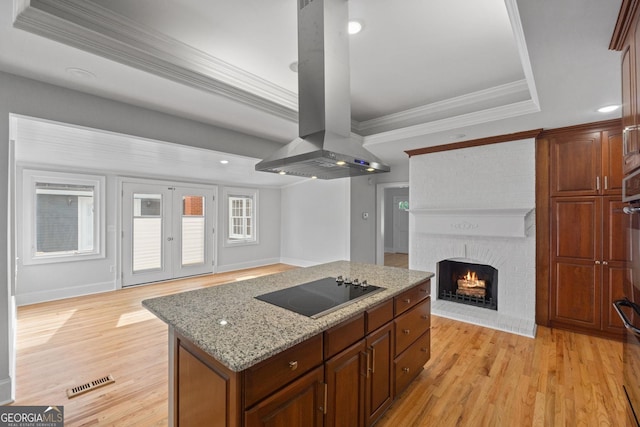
x: 626, y: 38
x: 586, y: 263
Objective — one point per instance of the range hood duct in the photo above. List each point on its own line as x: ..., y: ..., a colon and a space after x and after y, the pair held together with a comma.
x: 324, y: 148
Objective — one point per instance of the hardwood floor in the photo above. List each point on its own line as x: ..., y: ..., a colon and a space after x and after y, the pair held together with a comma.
x: 476, y: 376
x: 396, y: 260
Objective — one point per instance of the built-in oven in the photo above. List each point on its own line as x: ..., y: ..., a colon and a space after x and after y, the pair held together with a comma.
x: 628, y: 308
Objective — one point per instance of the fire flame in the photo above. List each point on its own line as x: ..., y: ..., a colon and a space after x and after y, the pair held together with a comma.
x: 471, y: 276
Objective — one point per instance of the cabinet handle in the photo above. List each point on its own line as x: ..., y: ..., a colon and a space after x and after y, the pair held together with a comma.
x: 408, y: 300
x: 605, y: 263
x: 405, y: 370
x: 373, y: 361
x: 597, y: 262
x: 424, y: 291
x: 598, y: 183
x: 606, y: 182
x: 425, y: 317
x: 406, y: 331
x: 424, y: 349
x: 323, y: 408
x: 293, y: 365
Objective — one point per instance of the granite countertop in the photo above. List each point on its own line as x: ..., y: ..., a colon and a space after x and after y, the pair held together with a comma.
x: 256, y: 330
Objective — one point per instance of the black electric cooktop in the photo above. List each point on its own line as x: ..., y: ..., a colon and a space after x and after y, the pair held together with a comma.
x: 320, y: 297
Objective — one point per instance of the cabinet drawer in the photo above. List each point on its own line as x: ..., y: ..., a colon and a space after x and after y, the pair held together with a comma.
x: 410, y: 297
x: 268, y: 376
x: 343, y: 335
x: 379, y: 315
x: 410, y: 325
x: 410, y: 363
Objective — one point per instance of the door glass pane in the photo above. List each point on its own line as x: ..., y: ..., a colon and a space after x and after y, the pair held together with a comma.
x: 193, y: 230
x: 147, y: 232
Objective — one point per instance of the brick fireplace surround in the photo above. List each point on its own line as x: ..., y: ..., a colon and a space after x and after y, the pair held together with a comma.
x: 477, y: 205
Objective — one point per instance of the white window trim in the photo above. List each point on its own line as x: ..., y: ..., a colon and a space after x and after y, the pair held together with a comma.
x: 242, y: 192
x: 29, y: 179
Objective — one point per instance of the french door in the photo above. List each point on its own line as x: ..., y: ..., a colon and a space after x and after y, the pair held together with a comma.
x: 167, y: 232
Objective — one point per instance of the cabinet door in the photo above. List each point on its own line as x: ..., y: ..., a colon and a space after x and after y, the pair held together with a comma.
x: 614, y: 286
x: 576, y: 164
x: 630, y: 135
x: 616, y: 272
x: 576, y: 261
x: 612, y: 172
x: 300, y: 404
x: 379, y: 388
x: 576, y: 229
x: 345, y: 377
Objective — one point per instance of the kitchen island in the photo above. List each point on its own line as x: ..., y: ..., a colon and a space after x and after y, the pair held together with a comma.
x: 237, y: 361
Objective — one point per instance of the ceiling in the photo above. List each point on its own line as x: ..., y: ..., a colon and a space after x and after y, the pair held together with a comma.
x: 422, y: 72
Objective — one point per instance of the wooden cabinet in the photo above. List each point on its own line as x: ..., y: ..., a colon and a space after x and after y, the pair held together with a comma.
x: 301, y: 403
x: 587, y: 245
x: 586, y: 163
x: 626, y: 38
x: 412, y: 346
x: 347, y: 375
x: 379, y: 380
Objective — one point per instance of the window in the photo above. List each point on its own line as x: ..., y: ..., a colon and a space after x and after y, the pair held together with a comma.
x: 62, y: 214
x: 241, y: 215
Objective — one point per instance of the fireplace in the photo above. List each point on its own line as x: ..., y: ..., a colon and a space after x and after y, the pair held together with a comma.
x: 468, y: 283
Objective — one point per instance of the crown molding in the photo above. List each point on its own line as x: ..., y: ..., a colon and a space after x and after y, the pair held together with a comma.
x: 521, y: 45
x: 424, y: 112
x: 470, y: 119
x: 95, y: 29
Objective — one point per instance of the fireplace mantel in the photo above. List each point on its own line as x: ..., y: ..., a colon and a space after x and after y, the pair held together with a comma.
x: 509, y: 222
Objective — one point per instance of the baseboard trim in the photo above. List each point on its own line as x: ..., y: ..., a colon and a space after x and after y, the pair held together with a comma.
x: 5, y: 391
x: 299, y: 262
x: 56, y: 294
x: 248, y: 264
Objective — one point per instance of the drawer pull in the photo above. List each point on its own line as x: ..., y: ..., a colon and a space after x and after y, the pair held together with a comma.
x: 424, y: 349
x: 406, y: 331
x: 425, y: 317
x: 293, y: 365
x: 405, y: 370
x: 424, y: 291
x: 408, y: 300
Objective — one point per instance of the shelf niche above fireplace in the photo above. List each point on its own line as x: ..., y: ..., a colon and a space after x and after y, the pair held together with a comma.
x: 468, y: 283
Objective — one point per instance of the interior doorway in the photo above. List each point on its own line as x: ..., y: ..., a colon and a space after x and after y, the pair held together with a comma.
x: 392, y: 242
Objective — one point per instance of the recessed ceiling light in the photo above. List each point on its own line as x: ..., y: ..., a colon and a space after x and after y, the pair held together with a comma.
x: 314, y: 177
x: 355, y: 27
x: 370, y: 169
x: 282, y: 173
x: 341, y: 163
x: 80, y: 73
x: 294, y: 66
x: 224, y: 162
x: 608, y: 108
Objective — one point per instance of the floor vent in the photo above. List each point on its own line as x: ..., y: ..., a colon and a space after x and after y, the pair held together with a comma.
x: 75, y: 391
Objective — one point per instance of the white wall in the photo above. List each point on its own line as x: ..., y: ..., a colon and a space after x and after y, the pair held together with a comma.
x: 363, y: 230
x: 316, y: 222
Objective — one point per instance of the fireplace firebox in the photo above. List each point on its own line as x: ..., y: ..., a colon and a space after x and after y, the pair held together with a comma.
x: 468, y: 283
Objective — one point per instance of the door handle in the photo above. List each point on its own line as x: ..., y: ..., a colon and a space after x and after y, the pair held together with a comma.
x: 630, y: 210
x: 627, y: 323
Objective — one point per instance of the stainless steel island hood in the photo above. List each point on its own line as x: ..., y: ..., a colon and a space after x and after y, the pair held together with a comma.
x: 324, y: 149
